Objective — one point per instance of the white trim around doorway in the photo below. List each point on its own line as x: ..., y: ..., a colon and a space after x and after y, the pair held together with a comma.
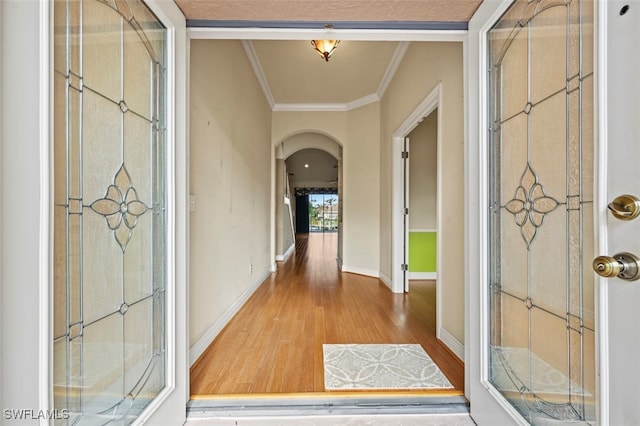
x: 426, y: 107
x: 45, y: 115
x: 487, y: 400
x: 431, y: 103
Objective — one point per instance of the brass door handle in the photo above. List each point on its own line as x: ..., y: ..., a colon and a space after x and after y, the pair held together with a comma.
x: 625, y: 207
x: 622, y: 265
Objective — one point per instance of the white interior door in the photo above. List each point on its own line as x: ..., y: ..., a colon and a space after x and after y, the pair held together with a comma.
x: 551, y: 344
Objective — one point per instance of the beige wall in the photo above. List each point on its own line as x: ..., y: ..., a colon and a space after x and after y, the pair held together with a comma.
x: 286, y: 124
x: 230, y: 152
x: 361, y: 190
x: 423, y: 174
x: 423, y: 67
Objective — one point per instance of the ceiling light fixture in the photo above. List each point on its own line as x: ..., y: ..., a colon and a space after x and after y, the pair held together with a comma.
x: 325, y: 47
x: 306, y: 166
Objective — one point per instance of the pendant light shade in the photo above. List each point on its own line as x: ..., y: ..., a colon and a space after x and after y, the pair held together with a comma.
x: 325, y: 47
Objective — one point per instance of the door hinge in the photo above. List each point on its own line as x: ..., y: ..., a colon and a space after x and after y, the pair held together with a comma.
x: 405, y: 211
x: 404, y: 267
x: 405, y: 154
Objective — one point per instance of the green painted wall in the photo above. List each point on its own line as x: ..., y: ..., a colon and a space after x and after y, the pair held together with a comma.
x: 422, y: 252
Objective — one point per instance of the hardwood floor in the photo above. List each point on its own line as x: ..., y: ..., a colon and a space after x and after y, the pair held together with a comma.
x: 274, y: 344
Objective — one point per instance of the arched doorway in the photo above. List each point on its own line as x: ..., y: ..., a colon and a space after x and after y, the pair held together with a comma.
x: 308, y: 190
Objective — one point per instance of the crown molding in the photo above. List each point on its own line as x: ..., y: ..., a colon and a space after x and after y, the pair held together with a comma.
x: 390, y: 72
x: 257, y: 70
x: 397, y: 58
x: 360, y: 102
x: 365, y: 100
x: 309, y: 107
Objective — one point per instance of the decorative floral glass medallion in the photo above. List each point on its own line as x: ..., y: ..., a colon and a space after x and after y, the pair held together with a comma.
x: 530, y: 204
x: 120, y: 205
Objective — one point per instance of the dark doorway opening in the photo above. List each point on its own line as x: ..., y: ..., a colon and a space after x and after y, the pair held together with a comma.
x: 302, y: 214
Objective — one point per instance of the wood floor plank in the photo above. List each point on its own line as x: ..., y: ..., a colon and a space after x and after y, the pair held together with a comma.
x: 274, y: 343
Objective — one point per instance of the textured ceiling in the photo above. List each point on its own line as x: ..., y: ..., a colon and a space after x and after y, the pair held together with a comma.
x: 330, y: 10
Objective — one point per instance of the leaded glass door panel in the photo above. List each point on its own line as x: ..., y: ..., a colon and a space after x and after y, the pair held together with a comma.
x: 110, y: 230
x: 541, y: 224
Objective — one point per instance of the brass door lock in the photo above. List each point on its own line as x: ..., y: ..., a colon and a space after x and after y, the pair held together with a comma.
x: 622, y: 265
x: 625, y: 207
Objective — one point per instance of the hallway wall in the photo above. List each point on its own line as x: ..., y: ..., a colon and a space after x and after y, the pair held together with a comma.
x: 230, y: 175
x: 423, y: 174
x: 361, y: 193
x: 423, y: 67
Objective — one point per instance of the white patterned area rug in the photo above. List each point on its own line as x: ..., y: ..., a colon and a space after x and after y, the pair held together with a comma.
x: 384, y: 367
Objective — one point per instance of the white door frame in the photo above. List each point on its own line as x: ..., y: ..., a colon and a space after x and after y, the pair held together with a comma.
x: 170, y: 405
x: 25, y: 206
x: 429, y: 104
x: 488, y: 406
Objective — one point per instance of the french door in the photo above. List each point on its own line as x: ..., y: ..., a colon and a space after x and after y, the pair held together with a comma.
x: 557, y: 146
x: 114, y: 210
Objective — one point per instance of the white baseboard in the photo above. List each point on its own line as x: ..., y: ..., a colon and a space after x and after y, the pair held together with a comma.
x: 282, y: 258
x: 386, y: 280
x: 422, y: 275
x: 203, y: 343
x: 290, y: 250
x: 451, y: 342
x: 361, y: 271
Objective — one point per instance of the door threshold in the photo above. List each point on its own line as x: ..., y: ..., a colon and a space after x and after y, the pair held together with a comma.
x: 328, y: 403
